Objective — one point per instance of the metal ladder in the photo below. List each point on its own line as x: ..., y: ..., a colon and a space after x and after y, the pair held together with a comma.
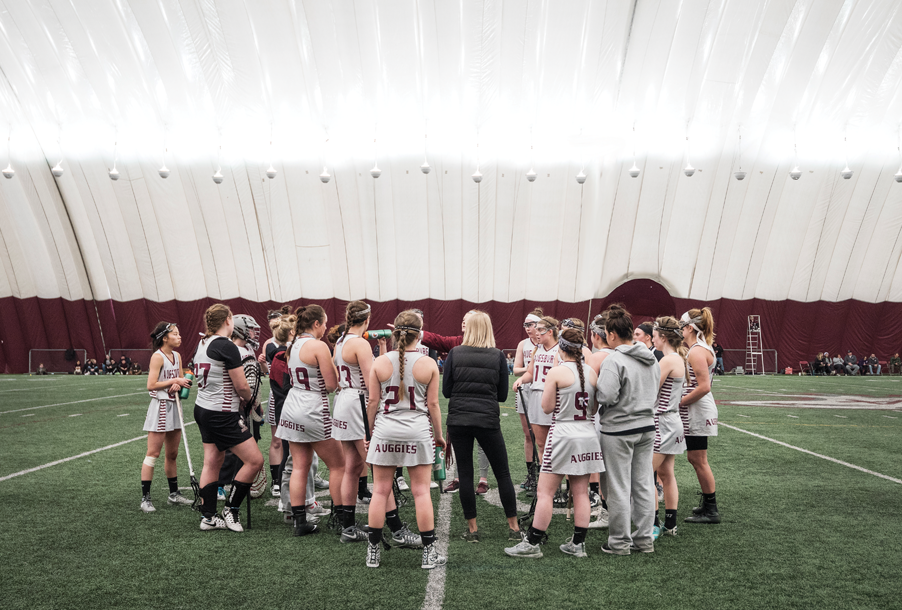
x: 754, y: 354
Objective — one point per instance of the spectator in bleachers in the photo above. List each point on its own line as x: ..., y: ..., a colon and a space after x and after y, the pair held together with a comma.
x: 851, y: 363
x: 837, y: 365
x: 77, y: 370
x: 41, y: 369
x: 895, y: 364
x: 873, y: 363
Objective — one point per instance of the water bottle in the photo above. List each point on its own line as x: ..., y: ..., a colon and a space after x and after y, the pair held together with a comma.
x: 185, y: 392
x: 377, y: 334
x: 438, y: 467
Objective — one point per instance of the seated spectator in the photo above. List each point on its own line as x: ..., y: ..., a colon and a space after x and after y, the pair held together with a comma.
x: 851, y: 362
x: 77, y: 370
x: 135, y: 369
x: 873, y: 363
x: 41, y: 369
x: 123, y: 366
x: 895, y: 364
x: 837, y: 365
x: 819, y: 366
x: 510, y: 365
x: 108, y: 365
x: 91, y: 367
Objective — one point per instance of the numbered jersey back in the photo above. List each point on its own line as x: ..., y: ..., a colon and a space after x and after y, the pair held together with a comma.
x: 214, y: 386
x: 349, y: 375
x: 527, y: 349
x: 414, y: 400
x: 543, y: 361
x: 573, y: 404
x: 304, y: 376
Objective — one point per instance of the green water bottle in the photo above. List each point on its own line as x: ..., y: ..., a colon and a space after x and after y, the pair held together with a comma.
x: 185, y: 392
x: 438, y: 467
x: 377, y: 334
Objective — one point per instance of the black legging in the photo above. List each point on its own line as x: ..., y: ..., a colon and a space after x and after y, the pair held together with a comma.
x: 492, y: 442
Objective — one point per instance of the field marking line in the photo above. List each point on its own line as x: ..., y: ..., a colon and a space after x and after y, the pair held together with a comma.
x: 841, y: 416
x: 890, y: 417
x: 75, y: 415
x: 793, y: 416
x: 435, y: 585
x: 74, y: 457
x: 59, y: 404
x: 823, y: 457
x: 741, y: 415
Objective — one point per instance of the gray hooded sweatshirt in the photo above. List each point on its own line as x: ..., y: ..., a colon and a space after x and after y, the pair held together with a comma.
x: 627, y: 389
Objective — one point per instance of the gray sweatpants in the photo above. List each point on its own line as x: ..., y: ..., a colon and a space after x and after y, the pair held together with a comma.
x: 630, y: 480
x: 483, y: 465
x: 284, y: 494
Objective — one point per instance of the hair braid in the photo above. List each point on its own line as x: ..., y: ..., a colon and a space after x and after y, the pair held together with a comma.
x: 403, y: 338
x: 401, y: 348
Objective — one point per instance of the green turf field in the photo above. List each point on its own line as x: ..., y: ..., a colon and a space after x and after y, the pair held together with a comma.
x: 799, y: 531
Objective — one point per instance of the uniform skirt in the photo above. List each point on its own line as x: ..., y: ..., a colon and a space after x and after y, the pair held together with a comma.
x: 670, y: 438
x: 305, y: 417
x: 401, y: 439
x: 347, y: 416
x: 536, y: 414
x: 700, y: 418
x: 525, y: 393
x: 162, y: 416
x: 271, y: 410
x: 572, y: 448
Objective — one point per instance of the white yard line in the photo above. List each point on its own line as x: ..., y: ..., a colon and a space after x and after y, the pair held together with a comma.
x: 823, y: 457
x: 59, y: 404
x: 435, y: 585
x: 74, y: 457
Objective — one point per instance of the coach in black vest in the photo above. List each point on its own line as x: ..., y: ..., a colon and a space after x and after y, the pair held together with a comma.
x: 475, y: 381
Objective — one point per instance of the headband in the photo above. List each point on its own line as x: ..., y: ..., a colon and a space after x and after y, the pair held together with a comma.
x: 598, y: 330
x: 533, y: 318
x: 666, y: 329
x: 699, y: 335
x: 569, y: 345
x: 412, y: 329
x: 363, y: 311
x: 568, y: 323
x: 164, y: 332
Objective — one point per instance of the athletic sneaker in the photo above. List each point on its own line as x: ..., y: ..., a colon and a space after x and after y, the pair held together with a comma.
x: 147, y: 504
x: 230, y: 516
x: 607, y: 549
x: 431, y: 558
x: 213, y: 523
x: 482, y: 488
x: 406, y: 539
x: 433, y: 485
x: 365, y: 496
x: 453, y: 487
x: 320, y: 483
x: 524, y: 549
x: 594, y: 500
x: 669, y: 532
x: 352, y: 534
x: 577, y: 550
x: 176, y: 497
x: 402, y: 484
x: 656, y: 532
x: 601, y: 521
x: 515, y: 535
x: 276, y: 491
x: 316, y: 510
x: 660, y: 489
x: 220, y: 495
x: 470, y: 536
x: 373, y: 555
x: 302, y: 529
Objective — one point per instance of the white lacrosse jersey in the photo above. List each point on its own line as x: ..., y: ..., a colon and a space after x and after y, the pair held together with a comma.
x: 349, y: 375
x: 528, y: 347
x: 542, y: 361
x: 404, y: 418
x: 421, y: 349
x: 245, y: 352
x: 572, y: 403
x: 214, y: 358
x: 304, y: 376
x: 170, y: 370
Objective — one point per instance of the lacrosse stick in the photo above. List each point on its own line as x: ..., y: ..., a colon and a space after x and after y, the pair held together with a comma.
x: 527, y: 518
x: 252, y: 374
x: 366, y: 432
x: 195, y: 486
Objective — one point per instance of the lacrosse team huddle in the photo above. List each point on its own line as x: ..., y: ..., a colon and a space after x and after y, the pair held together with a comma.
x: 608, y: 410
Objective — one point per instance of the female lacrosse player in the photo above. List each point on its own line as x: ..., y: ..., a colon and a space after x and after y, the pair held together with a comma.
x: 581, y: 327
x: 403, y: 389
x: 670, y: 440
x: 697, y: 408
x: 163, y: 425
x: 599, y: 338
x: 354, y: 360
x: 572, y: 448
x: 270, y: 349
x: 544, y: 358
x: 522, y: 360
x: 305, y: 422
x: 221, y: 386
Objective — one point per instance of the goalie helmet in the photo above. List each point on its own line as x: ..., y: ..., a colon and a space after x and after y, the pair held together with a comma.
x: 246, y: 328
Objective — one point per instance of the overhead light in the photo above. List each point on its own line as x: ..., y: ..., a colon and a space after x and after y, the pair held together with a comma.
x: 9, y: 172
x: 796, y: 173
x: 271, y: 172
x: 425, y: 168
x: 689, y: 170
x: 163, y: 171
x: 217, y: 177
x: 57, y: 170
x: 846, y: 173
x: 531, y: 175
x: 898, y: 176
x: 634, y: 170
x: 114, y: 173
x: 325, y: 176
x: 740, y: 175
x: 581, y: 177
x: 477, y: 176
x: 375, y: 172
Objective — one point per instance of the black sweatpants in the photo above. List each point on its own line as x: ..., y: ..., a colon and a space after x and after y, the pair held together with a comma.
x: 492, y: 442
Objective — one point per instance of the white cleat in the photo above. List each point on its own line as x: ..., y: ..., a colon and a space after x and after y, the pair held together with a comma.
x: 147, y: 504
x: 524, y: 549
x: 402, y: 484
x: 176, y: 497
x: 601, y: 521
x: 431, y: 558
x: 213, y: 523
x: 406, y: 539
x: 316, y: 509
x: 230, y: 516
x: 275, y: 491
x: 373, y: 555
x: 577, y: 550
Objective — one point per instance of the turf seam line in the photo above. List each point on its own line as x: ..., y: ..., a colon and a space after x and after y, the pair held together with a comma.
x: 74, y: 457
x: 59, y: 404
x: 435, y: 585
x: 823, y: 457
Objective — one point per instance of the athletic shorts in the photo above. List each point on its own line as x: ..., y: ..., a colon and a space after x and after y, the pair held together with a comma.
x: 696, y: 443
x: 162, y: 416
x: 225, y: 430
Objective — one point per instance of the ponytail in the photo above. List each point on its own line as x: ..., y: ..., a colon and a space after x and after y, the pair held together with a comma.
x: 407, y: 330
